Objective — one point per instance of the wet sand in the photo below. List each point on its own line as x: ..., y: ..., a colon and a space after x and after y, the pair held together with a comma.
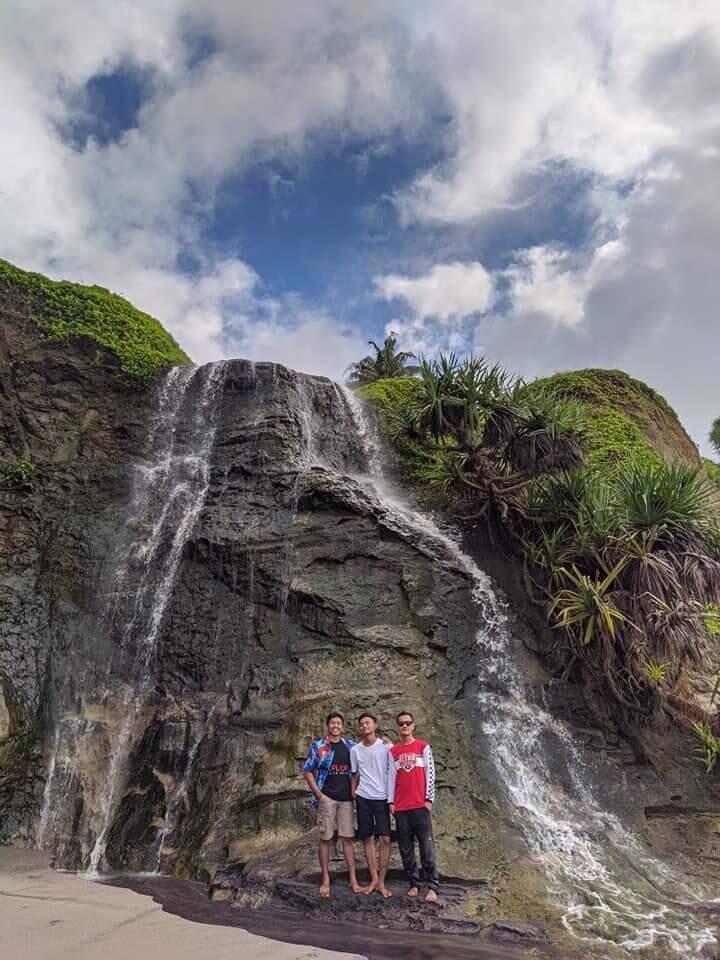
x: 46, y: 915
x: 189, y: 900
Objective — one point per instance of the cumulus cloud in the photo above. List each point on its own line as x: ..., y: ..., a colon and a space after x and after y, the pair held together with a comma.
x: 532, y: 82
x: 545, y: 282
x: 447, y: 291
x: 645, y: 303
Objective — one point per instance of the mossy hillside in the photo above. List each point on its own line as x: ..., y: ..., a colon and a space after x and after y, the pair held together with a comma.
x: 62, y: 311
x: 626, y: 418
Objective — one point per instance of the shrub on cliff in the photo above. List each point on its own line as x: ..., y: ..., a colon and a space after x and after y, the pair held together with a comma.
x: 17, y: 475
x: 627, y: 567
x: 712, y: 469
x: 714, y: 436
x: 63, y: 310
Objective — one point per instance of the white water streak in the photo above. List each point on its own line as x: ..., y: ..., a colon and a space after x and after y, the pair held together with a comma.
x: 189, y: 477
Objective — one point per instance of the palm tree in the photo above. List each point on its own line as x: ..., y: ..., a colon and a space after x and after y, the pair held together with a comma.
x: 387, y: 362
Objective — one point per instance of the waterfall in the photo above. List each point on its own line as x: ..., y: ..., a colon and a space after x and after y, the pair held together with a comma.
x: 609, y: 888
x: 168, y: 492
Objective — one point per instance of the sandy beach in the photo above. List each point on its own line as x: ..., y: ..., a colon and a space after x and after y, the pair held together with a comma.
x: 46, y: 915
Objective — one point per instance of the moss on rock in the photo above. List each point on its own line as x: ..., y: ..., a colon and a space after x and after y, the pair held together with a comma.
x: 625, y: 418
x: 62, y: 311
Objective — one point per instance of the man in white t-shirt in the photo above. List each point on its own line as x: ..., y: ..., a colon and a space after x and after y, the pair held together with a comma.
x: 369, y: 769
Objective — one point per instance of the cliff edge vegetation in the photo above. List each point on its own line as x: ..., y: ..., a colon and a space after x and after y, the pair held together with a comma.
x: 590, y: 482
x: 623, y: 418
x: 63, y: 311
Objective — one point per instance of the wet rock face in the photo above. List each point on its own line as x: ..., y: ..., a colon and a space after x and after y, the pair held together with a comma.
x: 64, y: 409
x: 294, y: 593
x: 191, y: 582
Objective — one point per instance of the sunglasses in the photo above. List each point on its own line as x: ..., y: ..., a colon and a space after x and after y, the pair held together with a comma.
x: 405, y: 723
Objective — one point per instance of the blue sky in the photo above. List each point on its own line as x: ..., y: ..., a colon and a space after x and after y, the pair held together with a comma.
x: 537, y: 181
x: 321, y: 227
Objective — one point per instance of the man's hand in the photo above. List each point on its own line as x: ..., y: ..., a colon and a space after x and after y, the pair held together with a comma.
x: 392, y: 809
x: 428, y: 805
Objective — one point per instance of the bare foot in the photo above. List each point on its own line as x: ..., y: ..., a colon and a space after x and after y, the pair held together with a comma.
x: 412, y: 892
x: 383, y: 891
x: 371, y: 886
x: 431, y: 897
x: 355, y: 887
x: 325, y: 889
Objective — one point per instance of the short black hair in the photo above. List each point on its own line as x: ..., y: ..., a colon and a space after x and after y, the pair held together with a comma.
x: 363, y: 715
x: 331, y: 716
x: 404, y: 713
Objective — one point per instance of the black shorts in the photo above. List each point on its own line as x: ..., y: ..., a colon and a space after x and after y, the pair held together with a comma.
x: 373, y: 818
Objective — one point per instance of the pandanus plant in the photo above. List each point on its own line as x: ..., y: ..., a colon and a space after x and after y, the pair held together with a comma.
x: 490, y: 434
x: 640, y: 564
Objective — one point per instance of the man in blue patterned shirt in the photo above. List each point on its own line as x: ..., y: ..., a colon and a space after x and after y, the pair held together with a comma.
x: 327, y: 773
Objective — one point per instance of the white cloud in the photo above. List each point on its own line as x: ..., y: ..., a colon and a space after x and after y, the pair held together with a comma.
x: 544, y: 281
x: 532, y: 82
x: 448, y: 291
x: 624, y: 93
x: 302, y: 339
x: 646, y: 304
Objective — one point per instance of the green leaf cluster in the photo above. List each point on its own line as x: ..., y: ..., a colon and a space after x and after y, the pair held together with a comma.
x: 386, y: 362
x: 63, y: 311
x: 18, y: 475
x: 713, y: 471
x: 628, y: 566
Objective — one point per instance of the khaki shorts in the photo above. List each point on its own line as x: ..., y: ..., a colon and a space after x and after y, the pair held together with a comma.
x: 335, y: 815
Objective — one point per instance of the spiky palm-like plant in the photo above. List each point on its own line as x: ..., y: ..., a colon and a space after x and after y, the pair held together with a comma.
x: 653, y: 529
x: 491, y: 435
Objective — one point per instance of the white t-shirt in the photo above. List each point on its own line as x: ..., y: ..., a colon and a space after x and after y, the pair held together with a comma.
x: 372, y: 765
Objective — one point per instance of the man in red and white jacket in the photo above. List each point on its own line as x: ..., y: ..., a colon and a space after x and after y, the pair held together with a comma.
x: 411, y: 794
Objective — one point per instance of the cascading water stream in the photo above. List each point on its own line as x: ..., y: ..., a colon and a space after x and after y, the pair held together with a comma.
x: 610, y: 889
x: 167, y: 496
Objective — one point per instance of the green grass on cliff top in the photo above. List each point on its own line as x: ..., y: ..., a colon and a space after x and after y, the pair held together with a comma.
x: 616, y: 405
x: 64, y: 310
